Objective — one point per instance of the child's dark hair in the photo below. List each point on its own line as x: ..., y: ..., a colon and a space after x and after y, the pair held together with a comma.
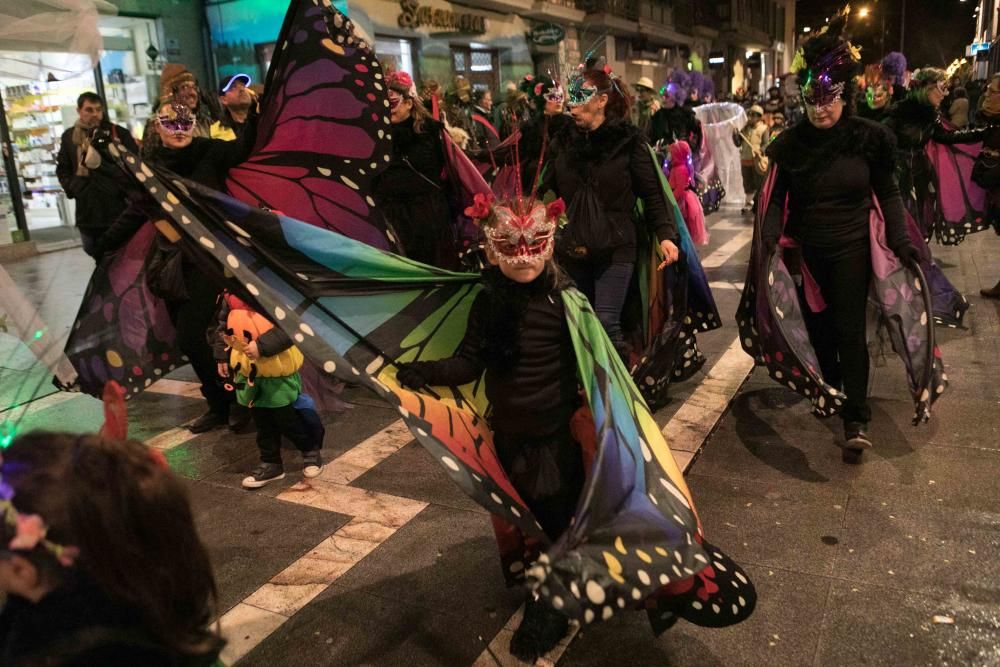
x: 131, y: 520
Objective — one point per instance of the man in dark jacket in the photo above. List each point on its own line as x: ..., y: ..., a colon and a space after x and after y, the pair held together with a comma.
x: 99, y: 198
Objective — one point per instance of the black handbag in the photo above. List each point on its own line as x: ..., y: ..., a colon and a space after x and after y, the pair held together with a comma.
x: 986, y: 171
x: 165, y: 272
x: 591, y: 232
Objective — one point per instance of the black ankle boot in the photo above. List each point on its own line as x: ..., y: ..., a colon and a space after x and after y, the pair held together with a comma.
x: 856, y: 441
x: 541, y: 629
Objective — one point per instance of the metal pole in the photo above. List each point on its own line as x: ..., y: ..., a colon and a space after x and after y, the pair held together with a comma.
x: 902, y: 29
x: 10, y: 167
x: 99, y: 85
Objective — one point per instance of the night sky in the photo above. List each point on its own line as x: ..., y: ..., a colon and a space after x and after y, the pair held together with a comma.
x: 937, y: 31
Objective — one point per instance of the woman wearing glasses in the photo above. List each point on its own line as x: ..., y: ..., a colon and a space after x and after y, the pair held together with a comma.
x: 190, y: 294
x: 832, y: 169
x: 601, y: 165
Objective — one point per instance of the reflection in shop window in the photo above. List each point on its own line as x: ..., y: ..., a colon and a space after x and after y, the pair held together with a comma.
x: 396, y: 52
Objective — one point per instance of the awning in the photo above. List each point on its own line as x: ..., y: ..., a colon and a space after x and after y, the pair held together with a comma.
x: 35, y: 29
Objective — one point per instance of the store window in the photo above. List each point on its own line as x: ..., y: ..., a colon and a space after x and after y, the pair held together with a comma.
x: 397, y: 53
x: 130, y: 76
x: 481, y: 66
x: 39, y: 111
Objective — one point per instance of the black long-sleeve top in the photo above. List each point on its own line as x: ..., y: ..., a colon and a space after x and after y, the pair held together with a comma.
x: 915, y: 124
x: 615, y: 160
x: 829, y: 177
x: 417, y: 162
x: 517, y: 334
x: 205, y: 161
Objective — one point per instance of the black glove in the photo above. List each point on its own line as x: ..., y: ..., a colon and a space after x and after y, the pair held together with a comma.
x: 908, y: 255
x: 410, y: 377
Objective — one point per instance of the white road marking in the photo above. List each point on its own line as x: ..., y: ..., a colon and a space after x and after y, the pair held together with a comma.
x: 376, y: 518
x: 722, y: 254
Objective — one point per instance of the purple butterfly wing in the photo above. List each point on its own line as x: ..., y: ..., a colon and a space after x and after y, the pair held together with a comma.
x: 324, y: 128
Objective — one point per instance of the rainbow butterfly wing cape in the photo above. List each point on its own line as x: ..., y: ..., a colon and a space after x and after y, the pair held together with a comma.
x: 355, y: 311
x: 322, y: 132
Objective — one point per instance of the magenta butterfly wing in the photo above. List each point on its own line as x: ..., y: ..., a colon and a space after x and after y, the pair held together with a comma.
x: 324, y: 128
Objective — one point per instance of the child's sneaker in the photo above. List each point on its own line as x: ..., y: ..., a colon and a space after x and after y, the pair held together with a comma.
x: 312, y: 463
x: 263, y: 474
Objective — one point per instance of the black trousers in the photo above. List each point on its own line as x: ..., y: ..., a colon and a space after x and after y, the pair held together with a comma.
x: 606, y: 284
x: 547, y: 472
x: 192, y: 319
x: 272, y: 423
x: 838, y: 333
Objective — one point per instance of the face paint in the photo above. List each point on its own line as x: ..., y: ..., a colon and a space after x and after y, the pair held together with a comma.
x: 394, y: 99
x: 942, y: 87
x: 520, y: 239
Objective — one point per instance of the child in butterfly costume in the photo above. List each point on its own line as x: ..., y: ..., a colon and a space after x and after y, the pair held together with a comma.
x: 519, y: 336
x: 263, y: 365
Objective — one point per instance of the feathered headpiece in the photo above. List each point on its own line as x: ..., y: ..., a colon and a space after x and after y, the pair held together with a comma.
x: 894, y: 68
x: 697, y: 83
x: 518, y: 228
x: 577, y: 94
x: 827, y: 62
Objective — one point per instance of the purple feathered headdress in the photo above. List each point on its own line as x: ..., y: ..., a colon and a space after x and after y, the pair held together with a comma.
x: 697, y: 83
x: 707, y: 88
x: 894, y: 67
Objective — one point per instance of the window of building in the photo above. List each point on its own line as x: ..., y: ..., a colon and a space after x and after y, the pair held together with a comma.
x: 480, y: 65
x: 397, y: 53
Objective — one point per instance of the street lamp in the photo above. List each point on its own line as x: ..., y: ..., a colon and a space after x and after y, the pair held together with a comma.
x: 864, y: 12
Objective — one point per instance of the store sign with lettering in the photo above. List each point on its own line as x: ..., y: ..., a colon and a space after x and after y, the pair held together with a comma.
x: 415, y: 15
x: 547, y: 34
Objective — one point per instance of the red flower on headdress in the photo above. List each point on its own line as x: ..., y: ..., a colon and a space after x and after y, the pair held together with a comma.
x: 529, y: 77
x: 538, y: 89
x: 400, y: 80
x: 30, y: 531
x: 607, y: 69
x: 480, y: 209
x: 555, y: 209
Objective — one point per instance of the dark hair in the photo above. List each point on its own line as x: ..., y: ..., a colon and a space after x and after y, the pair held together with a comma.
x: 88, y: 97
x: 959, y: 93
x: 619, y: 106
x: 131, y: 520
x: 479, y: 94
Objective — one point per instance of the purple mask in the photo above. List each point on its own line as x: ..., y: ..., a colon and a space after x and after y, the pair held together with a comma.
x: 821, y: 91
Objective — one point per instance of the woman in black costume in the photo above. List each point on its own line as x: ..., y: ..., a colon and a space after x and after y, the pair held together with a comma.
x: 411, y: 191
x: 601, y: 166
x: 829, y: 165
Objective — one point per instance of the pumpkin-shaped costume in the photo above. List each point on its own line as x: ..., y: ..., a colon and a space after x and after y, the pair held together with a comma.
x: 269, y: 381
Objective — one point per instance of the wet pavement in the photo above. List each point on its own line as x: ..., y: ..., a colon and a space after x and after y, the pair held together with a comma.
x: 383, y: 561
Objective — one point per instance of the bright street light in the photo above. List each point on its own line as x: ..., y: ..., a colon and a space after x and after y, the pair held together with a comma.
x: 864, y: 12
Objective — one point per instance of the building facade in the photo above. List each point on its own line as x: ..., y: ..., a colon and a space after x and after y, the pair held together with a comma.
x: 740, y: 44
